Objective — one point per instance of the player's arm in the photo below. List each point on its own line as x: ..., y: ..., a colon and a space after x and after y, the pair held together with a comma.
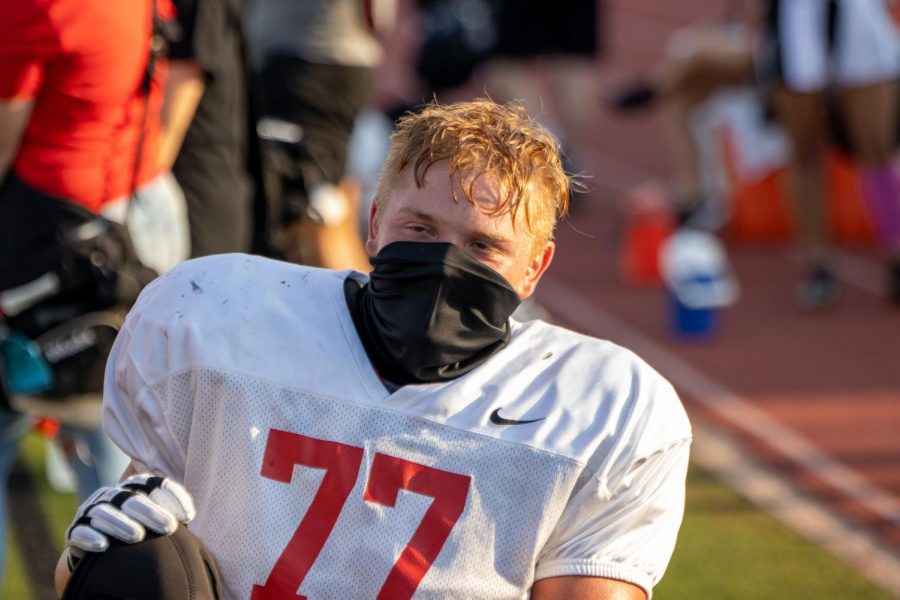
x: 14, y: 115
x: 613, y: 541
x: 585, y: 588
x: 29, y: 40
x: 62, y: 574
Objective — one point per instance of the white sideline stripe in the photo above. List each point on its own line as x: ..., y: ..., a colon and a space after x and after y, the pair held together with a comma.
x: 859, y: 273
x: 719, y: 454
x: 563, y: 301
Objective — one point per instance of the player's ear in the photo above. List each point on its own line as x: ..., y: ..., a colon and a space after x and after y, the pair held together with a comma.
x: 371, y: 241
x: 536, y: 268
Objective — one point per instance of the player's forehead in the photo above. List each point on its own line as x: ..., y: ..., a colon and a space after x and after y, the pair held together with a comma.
x: 480, y: 190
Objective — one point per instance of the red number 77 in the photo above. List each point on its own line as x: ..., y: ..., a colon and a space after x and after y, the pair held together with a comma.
x: 387, y: 477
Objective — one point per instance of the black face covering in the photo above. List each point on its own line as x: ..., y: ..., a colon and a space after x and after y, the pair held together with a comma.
x: 430, y: 312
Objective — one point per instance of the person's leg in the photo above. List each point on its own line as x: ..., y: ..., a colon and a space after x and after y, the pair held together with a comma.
x: 675, y: 123
x: 320, y: 226
x: 803, y: 117
x: 702, y: 60
x: 683, y: 83
x: 870, y: 113
x: 85, y: 474
x: 109, y: 462
x: 568, y: 85
x: 94, y: 458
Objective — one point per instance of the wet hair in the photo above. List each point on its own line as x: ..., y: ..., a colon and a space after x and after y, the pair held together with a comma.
x: 500, y: 143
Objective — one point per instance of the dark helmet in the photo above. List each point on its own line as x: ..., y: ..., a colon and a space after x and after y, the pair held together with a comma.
x: 162, y: 567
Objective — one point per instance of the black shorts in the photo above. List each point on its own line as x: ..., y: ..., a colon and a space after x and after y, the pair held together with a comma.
x: 92, y: 258
x: 811, y: 45
x: 324, y: 101
x: 30, y: 231
x: 527, y: 28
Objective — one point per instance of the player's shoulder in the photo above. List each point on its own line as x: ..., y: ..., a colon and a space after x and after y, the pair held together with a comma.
x: 589, y: 355
x: 237, y: 275
x: 238, y: 265
x: 598, y: 376
x: 234, y: 312
x: 218, y: 291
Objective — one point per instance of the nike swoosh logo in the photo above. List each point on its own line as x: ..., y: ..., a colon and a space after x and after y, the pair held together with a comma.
x: 496, y: 419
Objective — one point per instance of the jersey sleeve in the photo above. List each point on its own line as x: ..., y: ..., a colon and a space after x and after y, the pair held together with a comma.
x: 27, y: 40
x: 623, y: 521
x: 134, y: 411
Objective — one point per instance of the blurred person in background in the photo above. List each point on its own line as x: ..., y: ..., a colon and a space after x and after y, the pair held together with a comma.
x: 87, y: 213
x: 546, y: 55
x: 702, y: 65
x: 812, y: 58
x: 209, y: 122
x: 431, y: 50
x: 848, y: 48
x: 456, y: 38
x: 314, y: 60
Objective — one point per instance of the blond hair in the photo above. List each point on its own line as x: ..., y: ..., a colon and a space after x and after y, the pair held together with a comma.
x: 484, y: 139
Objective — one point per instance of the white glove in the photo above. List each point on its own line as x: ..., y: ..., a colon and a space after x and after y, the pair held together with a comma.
x: 125, y: 511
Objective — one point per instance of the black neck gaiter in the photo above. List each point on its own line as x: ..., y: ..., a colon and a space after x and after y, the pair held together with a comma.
x: 430, y: 312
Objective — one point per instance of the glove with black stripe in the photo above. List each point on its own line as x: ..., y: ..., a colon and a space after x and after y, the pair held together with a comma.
x: 126, y: 511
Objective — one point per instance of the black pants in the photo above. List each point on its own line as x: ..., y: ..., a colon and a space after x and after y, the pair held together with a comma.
x: 31, y: 227
x: 324, y: 101
x: 529, y: 28
x: 92, y: 257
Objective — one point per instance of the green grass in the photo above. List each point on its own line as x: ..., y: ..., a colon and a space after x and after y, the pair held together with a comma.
x: 58, y: 509
x: 15, y: 584
x: 727, y: 549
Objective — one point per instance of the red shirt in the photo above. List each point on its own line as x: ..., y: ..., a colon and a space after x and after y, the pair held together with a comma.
x: 83, y: 63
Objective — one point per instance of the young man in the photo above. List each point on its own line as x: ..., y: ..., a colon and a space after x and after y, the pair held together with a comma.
x: 296, y: 404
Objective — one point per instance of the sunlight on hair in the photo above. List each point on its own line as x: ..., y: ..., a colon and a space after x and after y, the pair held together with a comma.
x: 482, y: 139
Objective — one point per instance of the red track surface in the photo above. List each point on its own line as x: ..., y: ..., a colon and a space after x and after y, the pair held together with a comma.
x: 831, y: 379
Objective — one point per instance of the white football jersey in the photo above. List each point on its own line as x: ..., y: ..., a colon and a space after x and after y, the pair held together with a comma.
x: 244, y: 378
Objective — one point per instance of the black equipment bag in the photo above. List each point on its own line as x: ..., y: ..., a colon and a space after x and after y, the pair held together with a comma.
x: 66, y: 278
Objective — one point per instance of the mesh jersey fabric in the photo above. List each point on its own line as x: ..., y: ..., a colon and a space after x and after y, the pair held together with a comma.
x: 231, y: 370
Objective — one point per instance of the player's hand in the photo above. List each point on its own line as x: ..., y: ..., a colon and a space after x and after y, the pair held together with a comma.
x: 126, y: 511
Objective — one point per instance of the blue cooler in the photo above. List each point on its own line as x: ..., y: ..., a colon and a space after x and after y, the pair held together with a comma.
x: 699, y: 282
x: 690, y: 322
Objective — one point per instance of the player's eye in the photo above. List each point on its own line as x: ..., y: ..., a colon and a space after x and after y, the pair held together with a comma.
x: 485, y: 249
x: 418, y: 229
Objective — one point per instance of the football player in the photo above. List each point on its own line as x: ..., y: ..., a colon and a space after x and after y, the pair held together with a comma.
x: 398, y: 435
